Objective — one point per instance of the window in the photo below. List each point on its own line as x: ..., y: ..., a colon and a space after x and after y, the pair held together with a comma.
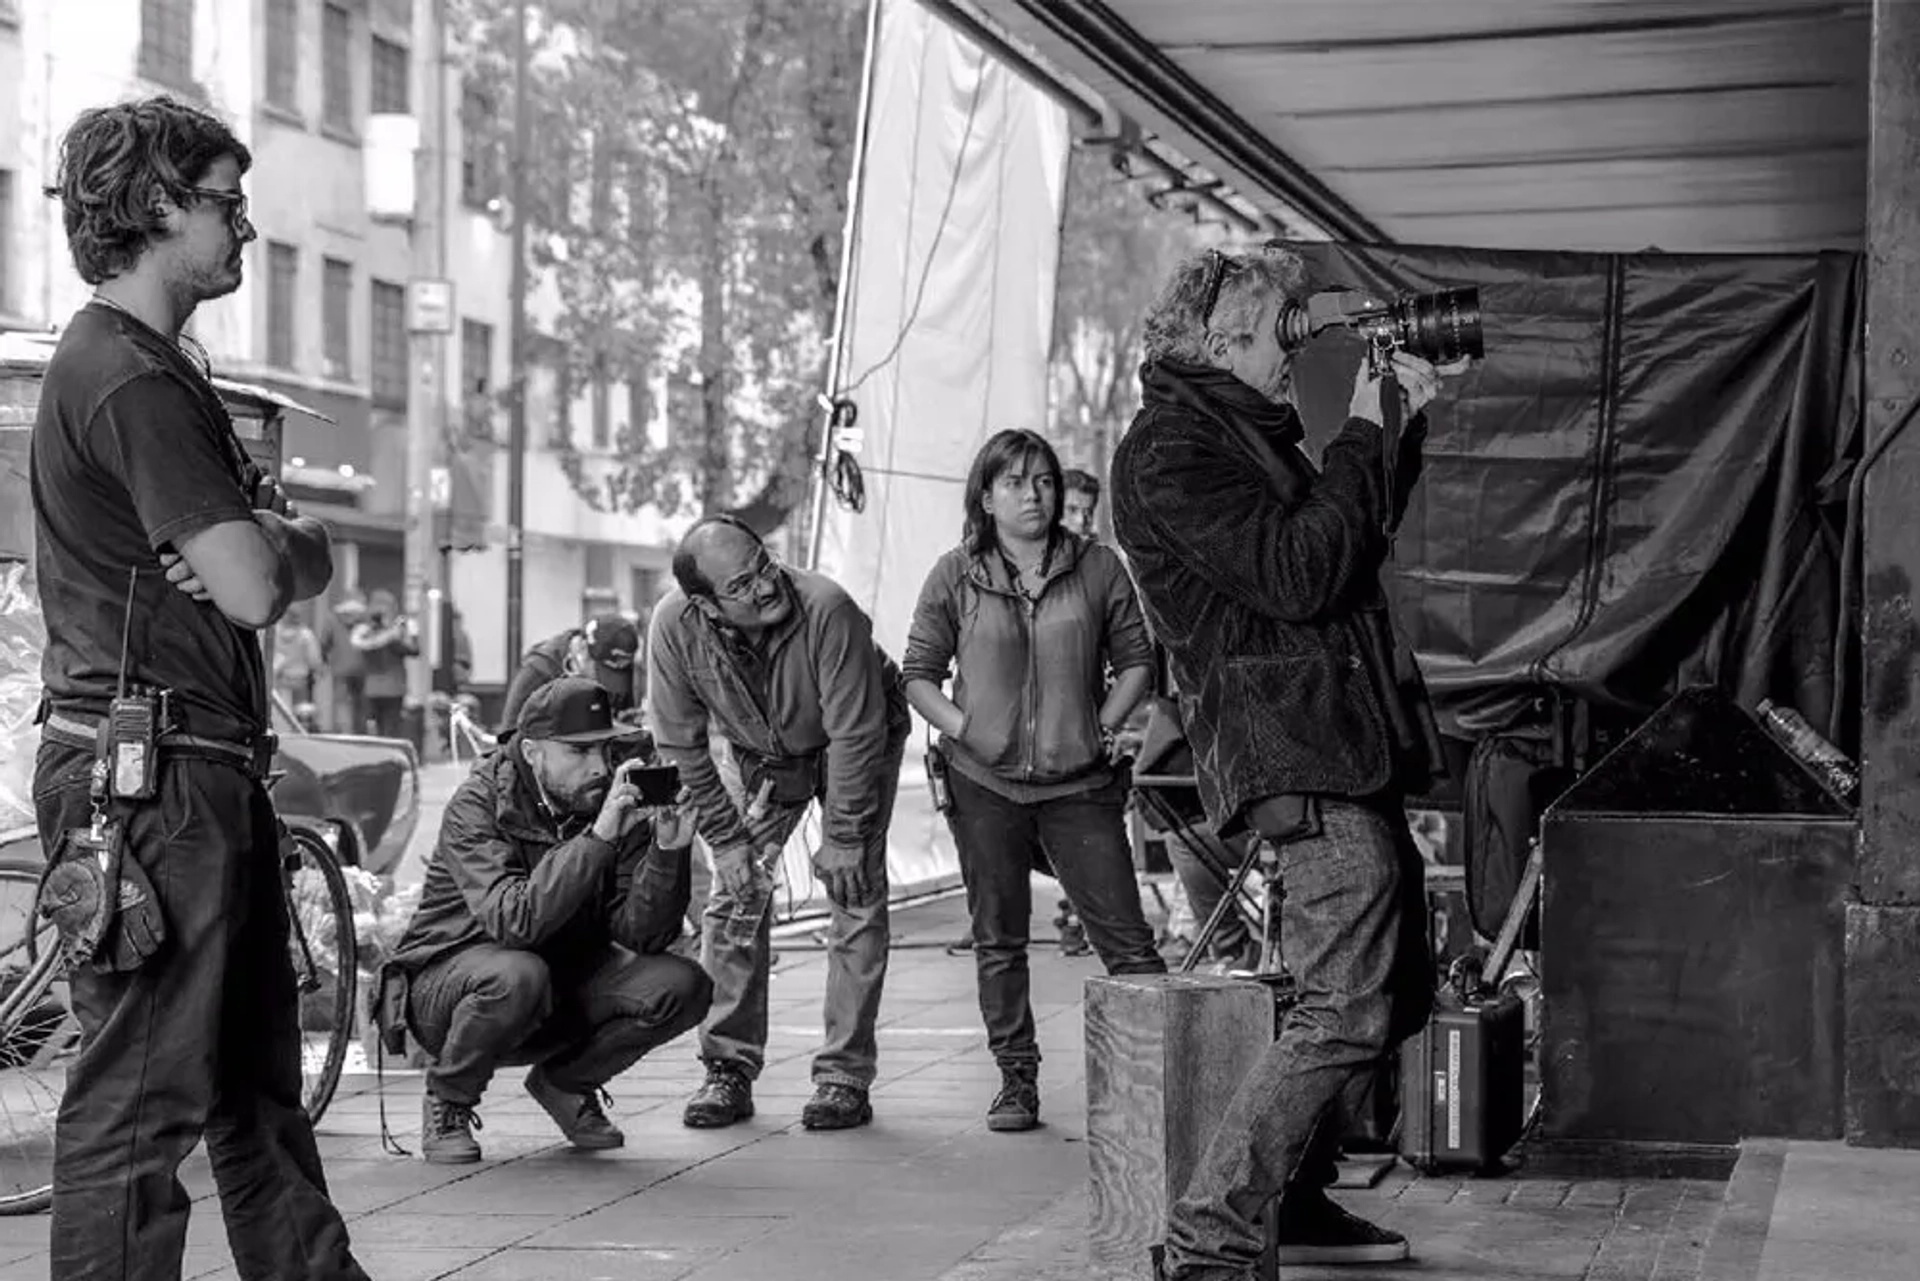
x: 6, y: 243
x: 479, y: 180
x: 391, y: 74
x: 336, y: 68
x: 336, y: 317
x: 599, y: 565
x: 283, y: 280
x: 283, y: 53
x: 602, y: 426
x: 649, y: 585
x: 166, y: 42
x: 388, y: 330
x: 476, y: 376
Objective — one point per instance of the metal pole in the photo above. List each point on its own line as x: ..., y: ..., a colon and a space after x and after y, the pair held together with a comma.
x: 517, y: 345
x: 843, y: 291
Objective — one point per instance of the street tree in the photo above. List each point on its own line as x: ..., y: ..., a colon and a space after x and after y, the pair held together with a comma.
x: 688, y: 184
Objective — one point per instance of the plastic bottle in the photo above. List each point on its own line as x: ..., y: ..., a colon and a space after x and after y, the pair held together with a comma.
x: 1820, y: 756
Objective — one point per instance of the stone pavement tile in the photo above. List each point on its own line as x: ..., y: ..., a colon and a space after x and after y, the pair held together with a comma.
x: 677, y: 1199
x: 404, y: 1230
x: 520, y: 1264
x: 1495, y: 1244
x: 360, y: 1186
x: 1844, y: 1214
x: 1545, y: 1193
x: 22, y: 1232
x: 903, y: 1252
x: 1598, y: 1192
x: 537, y: 1186
x: 381, y: 1262
x: 633, y: 1224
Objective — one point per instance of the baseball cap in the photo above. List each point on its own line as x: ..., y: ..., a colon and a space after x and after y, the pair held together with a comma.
x: 611, y: 635
x: 571, y: 709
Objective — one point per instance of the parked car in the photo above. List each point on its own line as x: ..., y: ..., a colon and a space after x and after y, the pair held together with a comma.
x: 361, y: 794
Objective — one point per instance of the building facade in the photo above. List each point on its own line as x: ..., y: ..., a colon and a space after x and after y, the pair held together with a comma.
x: 315, y: 89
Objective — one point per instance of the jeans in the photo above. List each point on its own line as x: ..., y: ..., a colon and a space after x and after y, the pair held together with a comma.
x: 1352, y: 935
x: 735, y: 1034
x: 1084, y: 838
x: 203, y: 1039
x: 487, y: 1006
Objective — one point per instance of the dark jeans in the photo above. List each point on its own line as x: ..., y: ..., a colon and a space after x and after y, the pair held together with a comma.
x: 1084, y: 838
x: 203, y: 1039
x: 384, y: 711
x: 1205, y: 887
x: 1353, y: 936
x: 486, y: 1006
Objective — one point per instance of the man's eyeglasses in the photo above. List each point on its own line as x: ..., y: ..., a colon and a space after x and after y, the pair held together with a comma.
x: 235, y: 202
x: 741, y: 585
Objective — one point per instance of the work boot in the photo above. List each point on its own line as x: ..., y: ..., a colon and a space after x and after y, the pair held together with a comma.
x: 1017, y: 1106
x: 836, y: 1107
x: 446, y: 1131
x: 1314, y: 1229
x: 580, y: 1116
x: 723, y: 1099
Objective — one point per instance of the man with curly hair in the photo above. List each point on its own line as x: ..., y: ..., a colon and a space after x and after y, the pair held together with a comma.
x: 161, y: 553
x: 1260, y: 573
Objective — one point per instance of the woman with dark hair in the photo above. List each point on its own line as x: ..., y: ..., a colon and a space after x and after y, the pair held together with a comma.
x: 1028, y: 618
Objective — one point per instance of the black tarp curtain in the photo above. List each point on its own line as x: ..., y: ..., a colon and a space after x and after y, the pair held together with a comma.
x: 1643, y: 486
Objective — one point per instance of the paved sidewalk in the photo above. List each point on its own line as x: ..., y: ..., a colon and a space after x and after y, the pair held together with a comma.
x: 927, y: 1194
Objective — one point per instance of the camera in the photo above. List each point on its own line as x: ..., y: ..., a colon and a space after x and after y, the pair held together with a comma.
x: 1441, y: 327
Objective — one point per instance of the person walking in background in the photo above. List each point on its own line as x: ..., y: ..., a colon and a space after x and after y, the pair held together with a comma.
x: 1028, y: 618
x: 296, y: 662
x: 346, y: 667
x: 385, y: 640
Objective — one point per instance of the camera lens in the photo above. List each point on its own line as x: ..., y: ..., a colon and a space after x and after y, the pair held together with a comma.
x: 1440, y: 327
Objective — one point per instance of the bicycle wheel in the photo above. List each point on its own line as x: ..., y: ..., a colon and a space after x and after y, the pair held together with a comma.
x: 39, y: 1037
x: 326, y: 964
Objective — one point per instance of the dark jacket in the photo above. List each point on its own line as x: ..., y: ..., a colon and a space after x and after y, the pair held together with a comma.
x: 1260, y: 575
x: 820, y: 702
x: 503, y: 872
x: 547, y: 661
x: 1030, y: 678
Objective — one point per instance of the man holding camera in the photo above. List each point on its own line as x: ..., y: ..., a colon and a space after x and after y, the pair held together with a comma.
x: 1308, y: 722
x: 161, y: 552
x: 551, y: 898
x: 783, y: 665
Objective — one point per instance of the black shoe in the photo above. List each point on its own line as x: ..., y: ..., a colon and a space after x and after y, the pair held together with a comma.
x: 581, y: 1117
x: 1017, y: 1106
x: 725, y: 1098
x: 446, y: 1132
x: 1313, y: 1229
x: 836, y: 1107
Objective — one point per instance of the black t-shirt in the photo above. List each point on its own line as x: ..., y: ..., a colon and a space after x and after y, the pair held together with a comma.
x: 132, y: 453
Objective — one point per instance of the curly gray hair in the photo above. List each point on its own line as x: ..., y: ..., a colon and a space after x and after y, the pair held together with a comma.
x: 1177, y: 324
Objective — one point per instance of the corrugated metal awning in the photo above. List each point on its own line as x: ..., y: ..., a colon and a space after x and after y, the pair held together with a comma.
x: 1684, y: 125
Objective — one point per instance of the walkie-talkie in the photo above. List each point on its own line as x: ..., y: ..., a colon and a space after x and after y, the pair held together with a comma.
x: 133, y: 724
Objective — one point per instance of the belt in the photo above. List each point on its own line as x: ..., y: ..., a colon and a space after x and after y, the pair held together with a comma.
x: 83, y: 732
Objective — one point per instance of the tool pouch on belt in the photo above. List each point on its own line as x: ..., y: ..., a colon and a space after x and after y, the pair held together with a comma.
x: 794, y: 780
x: 100, y: 901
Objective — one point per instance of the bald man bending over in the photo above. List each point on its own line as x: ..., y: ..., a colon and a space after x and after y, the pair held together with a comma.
x: 782, y: 665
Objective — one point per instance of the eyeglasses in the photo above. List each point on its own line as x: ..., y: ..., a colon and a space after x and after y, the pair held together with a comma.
x: 235, y: 202
x: 741, y: 586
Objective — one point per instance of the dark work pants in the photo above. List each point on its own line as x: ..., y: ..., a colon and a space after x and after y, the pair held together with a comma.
x: 1353, y: 936
x: 487, y: 1006
x: 1084, y: 839
x: 203, y: 1038
x: 385, y: 711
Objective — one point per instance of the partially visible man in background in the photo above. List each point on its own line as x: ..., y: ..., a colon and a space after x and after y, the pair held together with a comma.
x: 346, y: 666
x: 606, y: 649
x: 1080, y: 501
x: 161, y: 552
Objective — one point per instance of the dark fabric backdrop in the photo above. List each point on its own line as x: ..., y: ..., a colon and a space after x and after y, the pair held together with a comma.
x: 1641, y: 487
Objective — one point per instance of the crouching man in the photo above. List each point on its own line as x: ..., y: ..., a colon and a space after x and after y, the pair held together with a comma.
x: 549, y: 903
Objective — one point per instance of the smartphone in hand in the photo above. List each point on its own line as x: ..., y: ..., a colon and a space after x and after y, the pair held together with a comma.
x: 658, y: 784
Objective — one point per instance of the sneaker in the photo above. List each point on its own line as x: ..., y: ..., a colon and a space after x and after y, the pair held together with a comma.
x: 581, y: 1117
x: 1017, y: 1106
x: 725, y: 1098
x: 446, y: 1132
x: 1314, y: 1229
x: 836, y: 1107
